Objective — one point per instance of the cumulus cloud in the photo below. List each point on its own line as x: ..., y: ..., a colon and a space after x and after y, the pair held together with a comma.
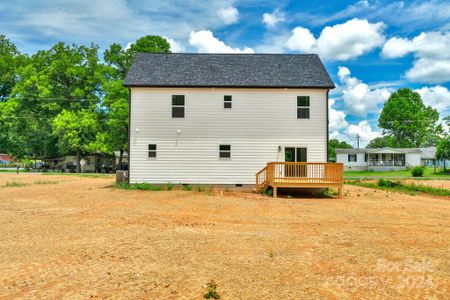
x: 364, y: 130
x: 344, y: 41
x: 437, y: 97
x: 359, y: 98
x: 228, y: 15
x: 431, y: 52
x: 336, y: 117
x: 175, y: 47
x: 271, y: 20
x: 206, y: 42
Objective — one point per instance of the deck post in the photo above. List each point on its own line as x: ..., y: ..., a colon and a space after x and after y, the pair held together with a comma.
x: 275, y: 192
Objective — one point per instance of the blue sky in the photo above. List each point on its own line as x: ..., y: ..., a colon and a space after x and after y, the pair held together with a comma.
x: 370, y: 48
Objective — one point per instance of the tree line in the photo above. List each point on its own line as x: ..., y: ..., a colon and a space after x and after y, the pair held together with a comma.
x: 67, y: 100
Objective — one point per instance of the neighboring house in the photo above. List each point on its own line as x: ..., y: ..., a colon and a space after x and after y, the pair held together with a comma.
x: 89, y: 164
x: 220, y: 118
x: 385, y: 159
x: 5, y: 159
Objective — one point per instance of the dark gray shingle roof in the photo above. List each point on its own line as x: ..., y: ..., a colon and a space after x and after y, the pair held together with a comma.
x: 228, y: 70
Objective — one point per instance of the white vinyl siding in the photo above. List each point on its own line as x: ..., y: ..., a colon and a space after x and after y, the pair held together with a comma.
x: 261, y: 120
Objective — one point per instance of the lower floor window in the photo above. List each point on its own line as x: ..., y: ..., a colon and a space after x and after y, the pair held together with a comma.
x: 225, y: 151
x: 352, y: 157
x: 152, y: 150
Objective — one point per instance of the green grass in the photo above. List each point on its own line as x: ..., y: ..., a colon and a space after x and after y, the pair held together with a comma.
x: 11, y: 171
x: 15, y: 184
x: 396, y: 186
x: 428, y: 173
x: 144, y: 186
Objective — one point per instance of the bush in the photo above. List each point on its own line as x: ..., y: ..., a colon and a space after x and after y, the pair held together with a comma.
x: 387, y: 183
x: 417, y: 171
x: 187, y: 187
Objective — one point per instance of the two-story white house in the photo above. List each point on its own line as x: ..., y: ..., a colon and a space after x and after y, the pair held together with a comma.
x: 219, y: 118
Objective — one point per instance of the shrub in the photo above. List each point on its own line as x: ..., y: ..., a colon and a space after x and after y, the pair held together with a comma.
x: 169, y: 186
x: 387, y: 183
x: 187, y: 187
x: 417, y: 171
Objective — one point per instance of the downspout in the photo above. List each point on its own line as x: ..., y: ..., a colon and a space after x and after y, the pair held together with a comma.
x: 328, y: 126
x: 129, y: 134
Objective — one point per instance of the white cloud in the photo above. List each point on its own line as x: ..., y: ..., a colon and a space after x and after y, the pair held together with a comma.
x: 364, y: 130
x: 336, y: 117
x: 175, y: 47
x: 229, y: 15
x: 437, y: 97
x: 206, y: 42
x: 344, y: 41
x: 431, y: 52
x: 359, y: 98
x: 272, y: 19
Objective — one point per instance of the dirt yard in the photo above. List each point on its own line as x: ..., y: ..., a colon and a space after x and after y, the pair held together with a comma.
x: 73, y: 237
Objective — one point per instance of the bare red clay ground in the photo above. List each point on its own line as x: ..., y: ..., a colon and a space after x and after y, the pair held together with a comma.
x: 81, y: 238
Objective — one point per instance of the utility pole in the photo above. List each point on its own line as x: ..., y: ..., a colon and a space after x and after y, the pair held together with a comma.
x: 357, y: 141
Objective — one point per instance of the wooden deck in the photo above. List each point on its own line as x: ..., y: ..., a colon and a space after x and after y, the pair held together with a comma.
x: 300, y: 175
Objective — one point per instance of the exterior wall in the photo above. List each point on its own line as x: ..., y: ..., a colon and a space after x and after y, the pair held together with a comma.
x: 259, y: 121
x: 412, y: 159
x: 359, y: 165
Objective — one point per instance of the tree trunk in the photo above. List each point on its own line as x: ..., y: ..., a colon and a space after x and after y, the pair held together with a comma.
x: 119, y: 163
x: 78, y: 161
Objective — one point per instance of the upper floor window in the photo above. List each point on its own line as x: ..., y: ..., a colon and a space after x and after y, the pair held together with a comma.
x: 227, y: 101
x: 225, y: 151
x: 302, y: 107
x: 177, y: 106
x: 352, y: 157
x: 152, y: 150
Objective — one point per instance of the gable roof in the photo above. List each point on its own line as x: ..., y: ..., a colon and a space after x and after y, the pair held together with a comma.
x: 228, y: 70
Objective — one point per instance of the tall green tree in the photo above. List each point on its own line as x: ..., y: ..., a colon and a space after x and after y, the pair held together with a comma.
x: 122, y: 58
x: 408, y: 120
x: 76, y: 131
x: 333, y: 144
x: 115, y: 100
x: 10, y: 61
x: 381, y: 142
x: 61, y: 78
x: 443, y: 149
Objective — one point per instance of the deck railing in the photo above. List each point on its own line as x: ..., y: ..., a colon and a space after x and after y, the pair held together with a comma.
x: 300, y: 174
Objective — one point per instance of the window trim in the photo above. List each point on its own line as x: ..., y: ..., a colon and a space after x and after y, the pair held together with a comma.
x: 225, y: 151
x: 155, y: 151
x: 304, y: 107
x: 227, y: 99
x: 178, y: 106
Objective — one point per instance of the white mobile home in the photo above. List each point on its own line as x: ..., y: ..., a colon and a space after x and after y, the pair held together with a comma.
x: 386, y: 159
x: 220, y: 118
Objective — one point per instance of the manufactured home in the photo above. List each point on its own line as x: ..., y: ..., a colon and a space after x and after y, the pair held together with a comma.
x: 221, y: 118
x: 387, y: 159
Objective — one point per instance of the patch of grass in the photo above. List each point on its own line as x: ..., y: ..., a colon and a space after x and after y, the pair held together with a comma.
x: 169, y: 186
x: 15, y: 184
x: 411, y: 189
x: 330, y: 192
x: 44, y: 182
x: 212, y: 293
x: 139, y: 186
x: 271, y: 254
x: 428, y: 172
x: 186, y: 187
